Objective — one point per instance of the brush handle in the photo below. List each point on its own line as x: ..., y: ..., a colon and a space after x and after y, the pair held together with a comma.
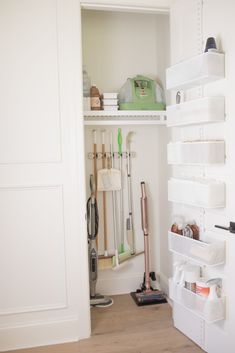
x: 144, y: 219
x: 104, y: 198
x: 119, y: 139
x: 144, y: 209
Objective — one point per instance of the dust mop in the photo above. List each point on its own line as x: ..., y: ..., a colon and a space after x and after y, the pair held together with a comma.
x: 146, y: 295
x: 92, y: 231
x: 109, y: 180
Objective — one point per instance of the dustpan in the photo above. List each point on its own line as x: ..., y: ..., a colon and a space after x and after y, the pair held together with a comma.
x: 109, y: 180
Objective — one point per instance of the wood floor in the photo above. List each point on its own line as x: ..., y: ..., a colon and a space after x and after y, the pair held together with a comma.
x: 126, y: 328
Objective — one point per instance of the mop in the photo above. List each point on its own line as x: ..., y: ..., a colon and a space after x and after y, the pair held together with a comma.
x: 92, y: 231
x: 120, y: 254
x: 146, y: 295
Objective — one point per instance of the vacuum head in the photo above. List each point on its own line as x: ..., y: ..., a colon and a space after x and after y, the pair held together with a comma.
x: 149, y: 298
x: 101, y: 301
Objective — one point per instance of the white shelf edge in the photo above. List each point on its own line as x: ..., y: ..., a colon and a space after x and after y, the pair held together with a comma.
x: 124, y: 117
x: 124, y: 113
x: 123, y: 122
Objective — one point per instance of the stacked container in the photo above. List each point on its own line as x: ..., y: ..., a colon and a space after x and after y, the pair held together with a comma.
x: 110, y: 101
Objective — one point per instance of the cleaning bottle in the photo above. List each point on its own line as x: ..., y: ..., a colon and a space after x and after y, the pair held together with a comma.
x: 95, y: 98
x: 86, y: 90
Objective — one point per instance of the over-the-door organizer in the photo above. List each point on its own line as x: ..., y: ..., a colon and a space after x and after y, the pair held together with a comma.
x: 197, y: 71
x: 205, y: 193
x: 197, y: 111
x: 205, y: 253
x: 197, y: 192
x: 196, y: 152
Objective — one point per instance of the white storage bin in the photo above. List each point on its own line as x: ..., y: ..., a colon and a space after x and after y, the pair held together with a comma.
x: 196, y: 152
x: 209, y: 310
x: 197, y: 111
x: 211, y: 253
x: 199, y: 70
x: 197, y: 192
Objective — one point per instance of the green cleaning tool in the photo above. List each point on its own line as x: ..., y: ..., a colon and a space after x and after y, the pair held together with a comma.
x: 141, y: 93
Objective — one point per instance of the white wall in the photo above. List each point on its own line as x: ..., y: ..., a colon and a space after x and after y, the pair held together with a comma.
x: 121, y: 45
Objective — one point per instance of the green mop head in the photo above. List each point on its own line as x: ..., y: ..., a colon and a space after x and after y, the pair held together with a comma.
x: 122, y: 257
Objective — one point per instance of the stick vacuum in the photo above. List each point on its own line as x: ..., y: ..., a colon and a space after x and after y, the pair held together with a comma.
x: 146, y: 295
x: 92, y: 231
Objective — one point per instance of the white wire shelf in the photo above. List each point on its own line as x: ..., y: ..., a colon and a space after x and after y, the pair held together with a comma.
x: 125, y: 117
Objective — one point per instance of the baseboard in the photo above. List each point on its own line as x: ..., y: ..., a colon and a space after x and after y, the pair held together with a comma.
x: 119, y: 285
x: 164, y: 284
x: 40, y: 334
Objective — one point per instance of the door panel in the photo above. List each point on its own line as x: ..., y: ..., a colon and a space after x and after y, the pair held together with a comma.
x: 33, y: 235
x: 29, y: 85
x: 43, y: 252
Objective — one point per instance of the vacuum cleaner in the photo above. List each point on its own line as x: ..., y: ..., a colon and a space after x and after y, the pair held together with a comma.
x: 141, y: 93
x: 146, y: 295
x: 92, y: 231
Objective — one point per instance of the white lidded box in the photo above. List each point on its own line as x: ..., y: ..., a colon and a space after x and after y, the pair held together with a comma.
x: 210, y: 253
x: 209, y: 310
x: 197, y: 192
x: 197, y: 111
x: 110, y: 101
x: 196, y: 71
x: 110, y: 95
x: 196, y: 152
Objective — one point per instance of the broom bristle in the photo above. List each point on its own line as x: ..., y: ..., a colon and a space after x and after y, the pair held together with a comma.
x: 105, y: 263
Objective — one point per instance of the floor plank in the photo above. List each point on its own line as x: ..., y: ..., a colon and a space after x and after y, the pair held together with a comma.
x: 126, y: 328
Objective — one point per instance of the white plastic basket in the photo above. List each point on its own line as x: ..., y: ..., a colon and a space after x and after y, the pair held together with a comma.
x: 211, y: 253
x: 199, y: 70
x: 204, y: 193
x: 197, y: 111
x: 209, y: 310
x: 196, y: 152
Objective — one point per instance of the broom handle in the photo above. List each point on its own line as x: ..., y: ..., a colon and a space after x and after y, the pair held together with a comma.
x: 119, y: 140
x: 144, y: 221
x: 114, y: 207
x: 104, y: 198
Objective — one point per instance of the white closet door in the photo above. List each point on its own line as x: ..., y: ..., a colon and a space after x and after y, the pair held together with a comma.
x: 43, y: 257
